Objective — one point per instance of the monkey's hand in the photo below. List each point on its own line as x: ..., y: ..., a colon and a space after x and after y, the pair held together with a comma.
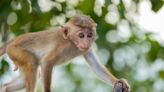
x: 121, y: 86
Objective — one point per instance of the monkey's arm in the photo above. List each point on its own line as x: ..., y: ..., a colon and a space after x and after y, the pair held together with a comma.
x: 99, y: 68
x: 120, y: 85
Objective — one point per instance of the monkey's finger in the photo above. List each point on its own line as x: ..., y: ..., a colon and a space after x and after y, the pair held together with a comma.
x: 124, y: 84
x: 125, y: 89
x: 118, y: 87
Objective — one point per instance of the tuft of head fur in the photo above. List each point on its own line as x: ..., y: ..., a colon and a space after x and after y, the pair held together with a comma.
x: 83, y: 21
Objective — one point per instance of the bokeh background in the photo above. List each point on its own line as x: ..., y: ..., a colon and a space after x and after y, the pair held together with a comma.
x: 130, y: 40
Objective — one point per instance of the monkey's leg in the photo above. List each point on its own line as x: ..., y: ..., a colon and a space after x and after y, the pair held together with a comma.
x: 47, y: 64
x: 30, y: 72
x: 46, y: 76
x: 15, y: 85
x: 27, y: 62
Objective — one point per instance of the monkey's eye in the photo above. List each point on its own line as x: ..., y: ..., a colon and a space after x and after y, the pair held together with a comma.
x: 81, y: 35
x: 90, y: 35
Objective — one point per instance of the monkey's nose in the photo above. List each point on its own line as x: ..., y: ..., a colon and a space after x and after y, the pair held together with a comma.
x: 85, y: 46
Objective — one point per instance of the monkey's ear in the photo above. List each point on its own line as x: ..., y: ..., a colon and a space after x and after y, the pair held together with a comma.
x: 65, y: 31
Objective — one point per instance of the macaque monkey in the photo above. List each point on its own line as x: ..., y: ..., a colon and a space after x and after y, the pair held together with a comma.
x: 50, y: 48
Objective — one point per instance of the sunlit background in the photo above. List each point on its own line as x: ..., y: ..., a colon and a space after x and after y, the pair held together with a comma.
x: 130, y: 40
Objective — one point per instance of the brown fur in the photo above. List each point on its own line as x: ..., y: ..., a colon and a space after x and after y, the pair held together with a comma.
x: 83, y: 21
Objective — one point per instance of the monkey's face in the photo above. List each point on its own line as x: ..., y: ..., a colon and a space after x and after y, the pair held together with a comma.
x: 83, y: 38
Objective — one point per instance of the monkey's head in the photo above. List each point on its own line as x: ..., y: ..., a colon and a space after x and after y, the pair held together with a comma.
x: 81, y: 30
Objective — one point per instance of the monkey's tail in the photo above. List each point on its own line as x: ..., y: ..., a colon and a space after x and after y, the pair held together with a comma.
x: 3, y: 47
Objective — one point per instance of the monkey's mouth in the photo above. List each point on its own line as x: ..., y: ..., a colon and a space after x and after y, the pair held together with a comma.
x: 83, y: 49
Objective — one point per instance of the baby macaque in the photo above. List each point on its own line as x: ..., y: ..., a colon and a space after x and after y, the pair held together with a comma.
x: 50, y: 48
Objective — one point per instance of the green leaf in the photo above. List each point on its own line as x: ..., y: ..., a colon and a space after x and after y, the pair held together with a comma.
x: 86, y: 6
x: 121, y: 9
x: 156, y: 5
x: 161, y: 74
x: 4, y: 68
x: 155, y: 49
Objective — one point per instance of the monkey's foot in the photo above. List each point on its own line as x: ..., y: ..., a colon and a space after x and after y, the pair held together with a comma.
x: 4, y: 89
x: 15, y: 68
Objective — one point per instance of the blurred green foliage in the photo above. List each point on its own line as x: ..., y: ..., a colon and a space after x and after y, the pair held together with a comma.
x: 156, y: 4
x: 4, y: 66
x: 22, y: 16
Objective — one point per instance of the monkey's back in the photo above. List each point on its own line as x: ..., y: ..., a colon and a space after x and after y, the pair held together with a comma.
x: 38, y: 43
